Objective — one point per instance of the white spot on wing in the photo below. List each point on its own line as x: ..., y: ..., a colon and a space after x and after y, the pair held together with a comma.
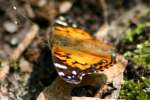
x: 74, y: 72
x: 62, y: 18
x: 60, y: 66
x: 83, y: 74
x: 69, y: 77
x: 61, y: 22
x: 80, y: 77
x: 61, y: 73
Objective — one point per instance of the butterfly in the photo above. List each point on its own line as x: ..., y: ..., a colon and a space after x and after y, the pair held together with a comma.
x: 75, y: 53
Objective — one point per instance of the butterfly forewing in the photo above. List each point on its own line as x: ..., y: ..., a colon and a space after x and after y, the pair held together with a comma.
x: 76, y: 53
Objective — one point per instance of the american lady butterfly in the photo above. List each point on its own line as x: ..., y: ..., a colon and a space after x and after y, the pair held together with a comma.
x: 76, y: 53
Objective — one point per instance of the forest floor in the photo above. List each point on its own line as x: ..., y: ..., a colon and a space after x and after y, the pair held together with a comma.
x: 26, y: 67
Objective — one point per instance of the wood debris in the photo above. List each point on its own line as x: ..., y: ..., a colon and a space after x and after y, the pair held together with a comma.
x: 30, y: 35
x: 62, y: 92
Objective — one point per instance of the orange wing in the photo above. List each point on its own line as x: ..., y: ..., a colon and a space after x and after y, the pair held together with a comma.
x: 76, y: 54
x: 81, y: 60
x: 73, y: 64
x: 74, y: 33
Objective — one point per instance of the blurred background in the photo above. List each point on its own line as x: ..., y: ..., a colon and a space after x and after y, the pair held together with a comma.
x: 26, y: 67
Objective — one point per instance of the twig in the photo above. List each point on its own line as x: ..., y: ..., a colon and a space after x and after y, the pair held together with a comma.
x: 104, y: 5
x: 25, y: 43
x: 4, y: 68
x: 29, y: 11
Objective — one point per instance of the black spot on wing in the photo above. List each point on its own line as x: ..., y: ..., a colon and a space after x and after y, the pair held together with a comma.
x: 104, y: 64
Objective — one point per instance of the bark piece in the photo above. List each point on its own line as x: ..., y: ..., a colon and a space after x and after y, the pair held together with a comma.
x: 60, y: 90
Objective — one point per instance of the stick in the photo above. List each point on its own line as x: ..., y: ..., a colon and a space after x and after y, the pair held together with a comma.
x: 25, y: 43
x: 4, y: 70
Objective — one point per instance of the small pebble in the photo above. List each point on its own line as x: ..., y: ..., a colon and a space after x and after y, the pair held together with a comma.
x: 25, y: 66
x: 41, y: 3
x: 14, y: 41
x: 13, y: 79
x: 4, y: 97
x: 4, y: 69
x: 65, y: 6
x: 10, y: 26
x: 147, y: 89
x: 4, y: 87
x: 3, y: 55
